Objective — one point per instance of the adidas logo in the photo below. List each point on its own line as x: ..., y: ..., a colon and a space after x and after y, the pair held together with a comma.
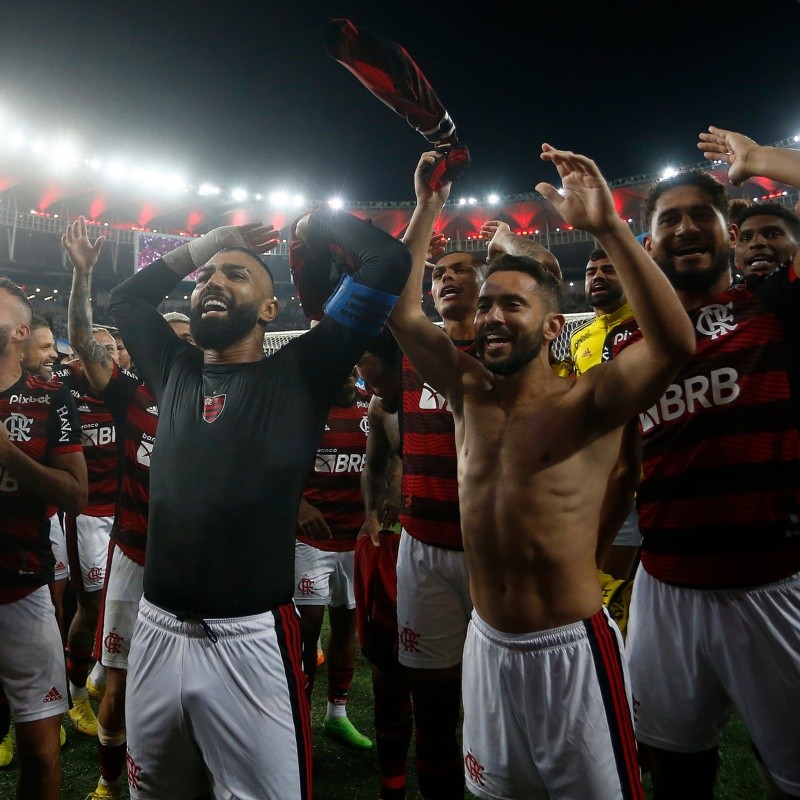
x: 84, y: 408
x: 52, y: 696
x: 153, y: 410
x: 61, y: 566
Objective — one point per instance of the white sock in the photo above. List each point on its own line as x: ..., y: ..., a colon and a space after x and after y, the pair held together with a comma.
x: 336, y: 710
x: 98, y: 675
x: 77, y: 692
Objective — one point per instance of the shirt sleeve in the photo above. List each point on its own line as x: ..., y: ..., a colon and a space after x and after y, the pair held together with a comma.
x: 148, y: 336
x: 63, y: 425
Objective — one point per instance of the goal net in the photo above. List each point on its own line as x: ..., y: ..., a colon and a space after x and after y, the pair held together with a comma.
x: 273, y: 341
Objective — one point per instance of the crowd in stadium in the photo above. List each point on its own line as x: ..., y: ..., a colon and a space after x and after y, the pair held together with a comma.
x: 592, y: 555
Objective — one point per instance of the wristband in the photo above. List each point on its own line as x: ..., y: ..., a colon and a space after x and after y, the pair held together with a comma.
x: 209, y: 244
x: 358, y: 307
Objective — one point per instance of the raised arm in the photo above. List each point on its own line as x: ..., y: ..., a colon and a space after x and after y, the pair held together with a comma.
x: 748, y: 159
x: 503, y: 240
x: 623, y: 386
x: 97, y: 363
x: 426, y: 345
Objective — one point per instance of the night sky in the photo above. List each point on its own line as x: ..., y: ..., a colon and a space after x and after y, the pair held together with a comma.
x: 244, y: 93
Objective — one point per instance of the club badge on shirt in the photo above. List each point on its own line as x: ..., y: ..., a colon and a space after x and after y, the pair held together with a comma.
x: 212, y: 407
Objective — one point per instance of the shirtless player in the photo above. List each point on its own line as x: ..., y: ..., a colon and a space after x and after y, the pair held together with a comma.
x: 540, y: 644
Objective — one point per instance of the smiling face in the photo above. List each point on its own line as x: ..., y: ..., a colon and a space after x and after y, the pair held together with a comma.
x: 690, y: 240
x: 232, y: 296
x: 454, y: 286
x: 763, y: 243
x: 39, y: 352
x: 512, y: 322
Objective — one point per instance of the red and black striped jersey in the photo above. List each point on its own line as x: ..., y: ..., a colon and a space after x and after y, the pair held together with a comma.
x: 719, y: 501
x: 134, y: 408
x: 333, y: 485
x: 40, y: 418
x: 430, y: 510
x: 99, y: 443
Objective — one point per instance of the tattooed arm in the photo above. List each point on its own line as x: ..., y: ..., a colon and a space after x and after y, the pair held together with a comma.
x: 96, y: 360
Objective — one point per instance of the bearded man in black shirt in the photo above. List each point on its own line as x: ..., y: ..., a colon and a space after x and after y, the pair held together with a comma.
x: 215, y: 686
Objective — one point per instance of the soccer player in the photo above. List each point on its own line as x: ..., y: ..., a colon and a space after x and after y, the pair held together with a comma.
x: 433, y: 602
x: 88, y: 533
x: 767, y: 237
x: 136, y: 417
x: 237, y: 432
x: 328, y: 522
x: 715, y: 612
x: 41, y: 465
x: 376, y: 567
x: 546, y: 701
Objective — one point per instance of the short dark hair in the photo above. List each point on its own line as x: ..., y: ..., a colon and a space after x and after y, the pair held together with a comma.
x: 238, y: 249
x: 692, y: 177
x: 12, y: 288
x: 38, y: 321
x: 549, y: 283
x: 597, y: 254
x: 477, y: 257
x: 772, y: 210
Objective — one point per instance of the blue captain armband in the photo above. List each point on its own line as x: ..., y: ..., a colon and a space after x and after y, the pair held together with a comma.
x: 358, y: 307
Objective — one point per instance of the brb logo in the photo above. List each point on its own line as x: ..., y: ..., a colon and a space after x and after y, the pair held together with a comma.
x: 715, y: 320
x: 695, y: 393
x: 18, y: 427
x: 99, y: 435
x: 431, y: 400
x: 334, y: 461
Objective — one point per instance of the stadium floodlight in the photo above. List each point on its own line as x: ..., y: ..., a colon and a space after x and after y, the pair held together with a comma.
x: 239, y: 195
x: 298, y: 201
x: 116, y: 170
x: 175, y: 183
x: 259, y: 196
x: 668, y: 172
x: 462, y: 201
x: 279, y: 198
x: 16, y: 139
x: 336, y: 203
x: 472, y: 200
x: 208, y: 190
x: 796, y: 137
x: 493, y: 199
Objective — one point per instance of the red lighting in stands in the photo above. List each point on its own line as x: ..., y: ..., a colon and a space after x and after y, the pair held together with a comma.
x: 147, y: 213
x: 51, y: 194
x: 97, y: 207
x: 238, y: 217
x: 195, y: 218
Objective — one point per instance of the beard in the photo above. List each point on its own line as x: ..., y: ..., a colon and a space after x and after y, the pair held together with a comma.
x: 219, y: 334
x: 526, y: 350
x: 613, y: 295
x: 5, y: 337
x: 695, y: 280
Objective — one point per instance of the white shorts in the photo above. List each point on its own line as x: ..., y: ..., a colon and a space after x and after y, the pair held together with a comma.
x: 32, y: 669
x: 433, y: 604
x: 228, y: 717
x: 547, y: 716
x: 87, y: 541
x: 121, y: 595
x: 58, y: 543
x: 695, y: 652
x: 322, y: 578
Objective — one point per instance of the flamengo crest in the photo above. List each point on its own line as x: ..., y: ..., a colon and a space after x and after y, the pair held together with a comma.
x: 212, y: 407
